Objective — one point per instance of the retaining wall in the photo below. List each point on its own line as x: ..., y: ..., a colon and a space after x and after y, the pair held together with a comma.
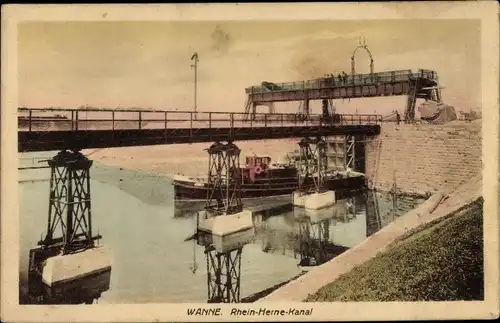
x: 424, y: 158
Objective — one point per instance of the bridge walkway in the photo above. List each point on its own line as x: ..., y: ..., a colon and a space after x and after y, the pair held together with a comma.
x: 57, y: 129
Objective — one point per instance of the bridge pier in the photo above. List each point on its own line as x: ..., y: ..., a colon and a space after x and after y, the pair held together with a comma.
x: 312, y: 193
x: 315, y: 247
x: 86, y: 290
x: 69, y: 249
x: 313, y: 239
x: 223, y: 275
x: 224, y: 227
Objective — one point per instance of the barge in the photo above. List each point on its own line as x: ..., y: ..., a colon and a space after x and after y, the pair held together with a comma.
x: 262, y: 181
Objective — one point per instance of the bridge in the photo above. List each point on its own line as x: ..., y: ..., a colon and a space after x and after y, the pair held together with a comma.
x: 68, y: 131
x: 422, y: 84
x: 61, y: 129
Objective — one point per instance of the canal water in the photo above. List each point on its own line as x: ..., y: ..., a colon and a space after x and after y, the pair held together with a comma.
x: 135, y: 214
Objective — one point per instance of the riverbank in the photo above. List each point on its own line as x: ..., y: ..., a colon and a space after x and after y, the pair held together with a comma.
x: 439, y: 206
x: 254, y: 297
x: 442, y: 261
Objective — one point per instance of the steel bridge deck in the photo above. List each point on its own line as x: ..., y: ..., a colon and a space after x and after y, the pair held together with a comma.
x: 38, y: 133
x: 392, y: 83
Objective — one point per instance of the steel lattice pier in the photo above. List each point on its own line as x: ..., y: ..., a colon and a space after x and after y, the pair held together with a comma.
x: 223, y: 275
x: 69, y: 218
x: 312, y: 165
x: 313, y: 241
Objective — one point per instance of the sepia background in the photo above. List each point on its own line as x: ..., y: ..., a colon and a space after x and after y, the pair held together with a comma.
x: 147, y: 64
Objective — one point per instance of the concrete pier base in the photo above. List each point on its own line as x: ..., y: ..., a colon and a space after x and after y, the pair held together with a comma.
x: 64, y: 268
x: 339, y: 211
x: 228, y: 232
x: 315, y: 201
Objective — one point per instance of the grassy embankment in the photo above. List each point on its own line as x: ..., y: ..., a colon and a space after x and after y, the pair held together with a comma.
x: 441, y: 261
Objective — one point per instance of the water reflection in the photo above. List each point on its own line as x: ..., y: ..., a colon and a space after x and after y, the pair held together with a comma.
x: 313, y: 237
x: 85, y: 290
x: 373, y: 219
x: 153, y: 263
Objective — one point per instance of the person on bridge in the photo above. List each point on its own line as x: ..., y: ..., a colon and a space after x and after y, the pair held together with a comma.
x: 344, y: 76
x: 398, y: 118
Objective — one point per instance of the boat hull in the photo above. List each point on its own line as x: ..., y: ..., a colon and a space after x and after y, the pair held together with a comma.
x: 191, y: 198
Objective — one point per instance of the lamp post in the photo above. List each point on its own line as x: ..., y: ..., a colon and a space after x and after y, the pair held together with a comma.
x: 195, y: 66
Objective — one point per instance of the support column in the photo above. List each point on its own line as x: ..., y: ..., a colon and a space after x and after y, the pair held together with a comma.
x: 325, y: 111
x: 254, y: 110
x: 436, y: 94
x: 224, y: 180
x: 411, y: 101
x: 350, y: 152
x: 312, y: 165
x: 68, y: 251
x: 225, y: 227
x: 313, y: 241
x: 312, y: 192
x: 306, y: 108
x: 223, y: 275
x: 69, y: 203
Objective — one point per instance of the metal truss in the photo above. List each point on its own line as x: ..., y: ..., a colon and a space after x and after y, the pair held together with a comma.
x: 312, y: 165
x: 69, y: 226
x: 313, y: 241
x: 267, y: 127
x: 223, y: 275
x: 251, y: 109
x: 224, y: 180
x: 350, y: 155
x: 411, y: 101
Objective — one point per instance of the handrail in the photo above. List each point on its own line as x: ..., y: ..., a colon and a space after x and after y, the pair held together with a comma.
x: 185, y: 119
x: 339, y: 81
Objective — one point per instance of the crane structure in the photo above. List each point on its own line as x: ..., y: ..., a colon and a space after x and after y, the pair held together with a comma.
x: 423, y: 84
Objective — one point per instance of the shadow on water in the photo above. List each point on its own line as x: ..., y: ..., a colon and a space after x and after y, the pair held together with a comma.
x: 85, y: 290
x: 312, y: 237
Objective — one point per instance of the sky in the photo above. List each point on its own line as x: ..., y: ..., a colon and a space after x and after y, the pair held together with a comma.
x: 147, y: 64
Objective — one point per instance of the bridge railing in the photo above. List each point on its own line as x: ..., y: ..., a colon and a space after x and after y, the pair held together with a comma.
x: 344, y: 80
x: 123, y: 119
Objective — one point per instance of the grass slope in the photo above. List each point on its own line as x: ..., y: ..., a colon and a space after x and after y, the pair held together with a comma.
x: 441, y: 262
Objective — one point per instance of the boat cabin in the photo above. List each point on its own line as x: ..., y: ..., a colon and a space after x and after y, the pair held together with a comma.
x: 255, y: 166
x: 256, y: 161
